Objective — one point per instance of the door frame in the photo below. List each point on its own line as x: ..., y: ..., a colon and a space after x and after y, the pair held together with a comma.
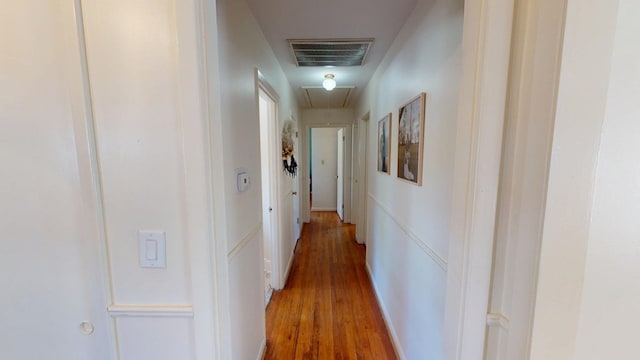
x: 295, y: 191
x: 305, y: 211
x: 486, y: 49
x: 340, y: 209
x: 360, y: 179
x: 277, y: 281
x: 533, y: 88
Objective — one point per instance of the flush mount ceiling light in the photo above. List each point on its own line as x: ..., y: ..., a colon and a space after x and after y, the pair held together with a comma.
x: 329, y: 83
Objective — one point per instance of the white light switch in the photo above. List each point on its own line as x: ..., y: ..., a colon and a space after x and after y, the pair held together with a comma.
x: 153, y: 249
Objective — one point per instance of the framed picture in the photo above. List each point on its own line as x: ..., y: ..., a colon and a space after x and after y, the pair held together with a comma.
x: 384, y: 144
x: 411, y: 139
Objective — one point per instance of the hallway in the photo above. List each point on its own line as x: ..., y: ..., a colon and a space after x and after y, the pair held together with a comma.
x: 328, y: 309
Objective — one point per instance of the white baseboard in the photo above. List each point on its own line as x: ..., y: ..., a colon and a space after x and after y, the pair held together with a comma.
x: 302, y: 224
x: 267, y: 297
x: 286, y: 273
x: 263, y: 348
x: 323, y: 209
x: 385, y: 316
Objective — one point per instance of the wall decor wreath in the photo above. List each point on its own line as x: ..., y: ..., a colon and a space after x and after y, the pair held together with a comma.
x: 288, y: 161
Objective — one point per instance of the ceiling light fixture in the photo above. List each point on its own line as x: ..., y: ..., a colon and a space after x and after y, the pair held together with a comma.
x: 329, y: 83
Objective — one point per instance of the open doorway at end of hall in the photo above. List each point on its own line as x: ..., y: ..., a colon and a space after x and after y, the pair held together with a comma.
x: 326, y: 169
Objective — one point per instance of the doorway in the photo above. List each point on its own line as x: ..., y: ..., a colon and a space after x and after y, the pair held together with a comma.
x: 268, y: 117
x: 326, y: 169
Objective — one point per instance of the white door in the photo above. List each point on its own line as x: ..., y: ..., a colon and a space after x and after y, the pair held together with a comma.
x: 340, y: 177
x: 53, y: 291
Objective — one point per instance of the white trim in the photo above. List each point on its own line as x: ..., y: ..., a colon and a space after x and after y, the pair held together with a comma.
x: 95, y: 170
x: 262, y: 84
x: 486, y: 47
x: 304, y: 181
x: 157, y: 311
x: 533, y: 87
x: 498, y: 319
x: 323, y: 209
x: 385, y: 315
x: 433, y: 254
x: 288, y: 269
x: 354, y: 174
x: 245, y: 241
x: 219, y: 266
x: 202, y: 237
x: 305, y: 207
x: 263, y: 349
x: 363, y: 187
x: 267, y: 296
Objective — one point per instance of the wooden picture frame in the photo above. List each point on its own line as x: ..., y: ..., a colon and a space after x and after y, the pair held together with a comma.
x: 411, y: 139
x: 384, y: 144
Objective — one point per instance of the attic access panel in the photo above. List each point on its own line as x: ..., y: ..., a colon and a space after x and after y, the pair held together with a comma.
x: 319, y: 98
x: 350, y: 52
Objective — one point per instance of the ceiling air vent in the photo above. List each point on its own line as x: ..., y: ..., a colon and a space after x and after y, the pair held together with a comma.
x: 351, y: 52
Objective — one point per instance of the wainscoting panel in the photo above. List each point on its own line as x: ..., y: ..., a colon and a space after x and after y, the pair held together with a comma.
x: 158, y: 338
x: 246, y: 287
x: 424, y: 246
x: 410, y: 282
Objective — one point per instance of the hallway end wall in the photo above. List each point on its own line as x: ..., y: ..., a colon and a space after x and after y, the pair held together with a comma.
x: 243, y: 47
x: 409, y: 226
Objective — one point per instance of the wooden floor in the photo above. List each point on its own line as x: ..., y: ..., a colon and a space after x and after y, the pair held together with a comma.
x: 328, y: 309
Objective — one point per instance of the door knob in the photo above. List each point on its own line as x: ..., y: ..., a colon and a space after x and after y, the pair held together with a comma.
x: 86, y: 327
x: 294, y: 193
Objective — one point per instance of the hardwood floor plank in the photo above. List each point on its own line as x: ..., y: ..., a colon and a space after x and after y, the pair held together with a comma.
x: 328, y: 310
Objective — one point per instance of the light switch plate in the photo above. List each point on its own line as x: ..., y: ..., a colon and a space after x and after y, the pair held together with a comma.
x: 153, y: 249
x: 243, y: 180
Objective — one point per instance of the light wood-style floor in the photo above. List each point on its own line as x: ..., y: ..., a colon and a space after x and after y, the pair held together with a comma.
x: 328, y: 309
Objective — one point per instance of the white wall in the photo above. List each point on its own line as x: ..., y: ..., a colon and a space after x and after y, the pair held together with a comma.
x: 324, y: 162
x: 137, y: 120
x: 108, y: 149
x: 51, y: 265
x: 242, y: 49
x: 610, y: 306
x: 408, y: 226
x: 579, y: 115
x: 587, y: 304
